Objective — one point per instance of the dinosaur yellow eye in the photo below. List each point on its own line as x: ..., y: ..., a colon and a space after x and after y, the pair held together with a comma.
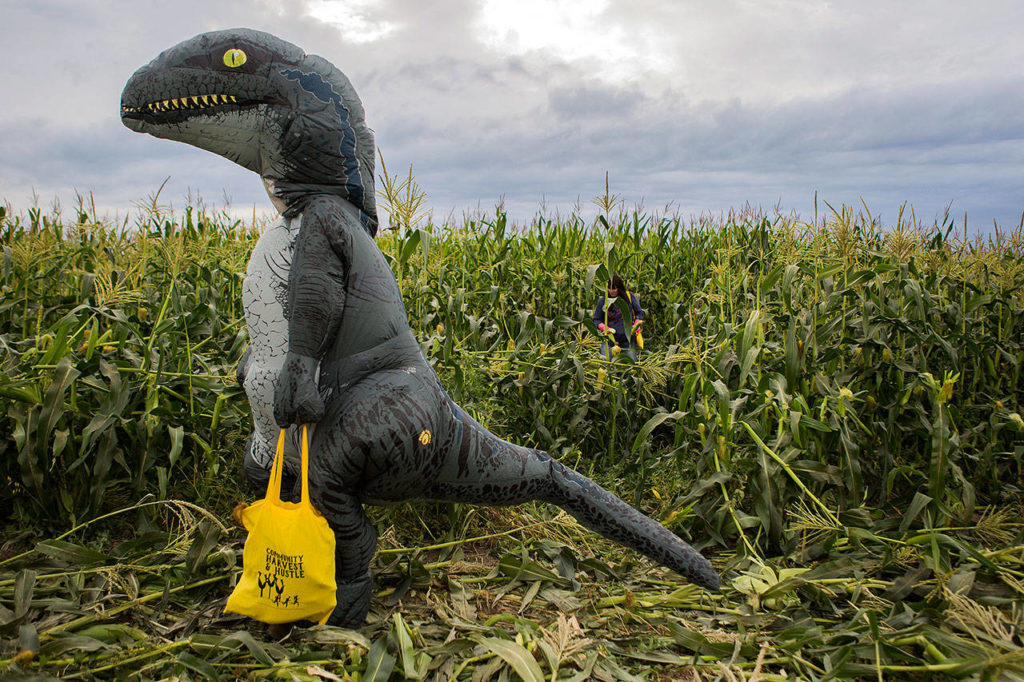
x: 234, y: 57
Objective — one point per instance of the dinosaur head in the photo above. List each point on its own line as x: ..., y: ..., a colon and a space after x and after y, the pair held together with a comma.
x: 263, y: 103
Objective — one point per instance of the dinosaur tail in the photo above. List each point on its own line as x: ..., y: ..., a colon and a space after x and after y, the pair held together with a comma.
x: 607, y: 514
x: 495, y: 472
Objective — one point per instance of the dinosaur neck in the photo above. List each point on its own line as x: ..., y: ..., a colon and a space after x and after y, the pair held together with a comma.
x: 268, y: 184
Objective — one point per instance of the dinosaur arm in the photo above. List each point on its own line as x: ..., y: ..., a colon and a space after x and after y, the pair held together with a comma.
x: 316, y: 302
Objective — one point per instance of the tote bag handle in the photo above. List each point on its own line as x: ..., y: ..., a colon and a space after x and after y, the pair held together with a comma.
x: 277, y: 470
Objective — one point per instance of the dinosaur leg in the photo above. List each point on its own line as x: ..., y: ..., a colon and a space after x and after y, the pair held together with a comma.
x: 495, y: 472
x: 355, y: 542
x: 375, y: 445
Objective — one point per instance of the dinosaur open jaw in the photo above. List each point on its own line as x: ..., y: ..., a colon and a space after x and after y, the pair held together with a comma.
x: 180, y: 108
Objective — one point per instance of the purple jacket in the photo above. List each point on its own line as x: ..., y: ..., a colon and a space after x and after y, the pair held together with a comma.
x: 612, y: 317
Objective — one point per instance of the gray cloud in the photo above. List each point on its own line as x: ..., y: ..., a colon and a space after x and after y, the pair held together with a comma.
x: 765, y: 103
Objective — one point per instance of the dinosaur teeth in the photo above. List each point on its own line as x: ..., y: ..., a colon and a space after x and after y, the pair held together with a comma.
x: 186, y: 102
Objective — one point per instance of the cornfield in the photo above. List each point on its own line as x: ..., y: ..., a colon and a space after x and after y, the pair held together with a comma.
x: 830, y: 410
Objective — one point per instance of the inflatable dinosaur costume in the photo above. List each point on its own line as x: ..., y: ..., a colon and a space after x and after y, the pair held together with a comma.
x: 330, y: 339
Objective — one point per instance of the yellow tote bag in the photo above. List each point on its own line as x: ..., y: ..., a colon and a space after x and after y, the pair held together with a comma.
x: 288, y: 560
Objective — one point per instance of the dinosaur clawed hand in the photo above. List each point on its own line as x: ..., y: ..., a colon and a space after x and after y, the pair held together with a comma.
x: 297, y: 400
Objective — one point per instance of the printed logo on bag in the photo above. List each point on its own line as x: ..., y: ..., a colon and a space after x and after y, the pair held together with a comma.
x: 286, y: 565
x: 272, y: 583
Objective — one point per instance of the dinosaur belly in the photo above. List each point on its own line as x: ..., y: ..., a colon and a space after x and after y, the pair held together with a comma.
x: 265, y: 300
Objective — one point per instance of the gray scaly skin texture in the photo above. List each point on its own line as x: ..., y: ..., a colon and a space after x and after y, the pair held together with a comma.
x: 330, y: 335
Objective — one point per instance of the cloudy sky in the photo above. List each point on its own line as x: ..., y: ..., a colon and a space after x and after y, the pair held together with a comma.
x: 702, y: 106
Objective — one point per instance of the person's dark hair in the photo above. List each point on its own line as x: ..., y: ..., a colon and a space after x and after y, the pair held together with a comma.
x: 619, y: 286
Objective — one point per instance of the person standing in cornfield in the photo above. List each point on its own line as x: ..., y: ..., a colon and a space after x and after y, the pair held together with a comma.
x: 610, y: 322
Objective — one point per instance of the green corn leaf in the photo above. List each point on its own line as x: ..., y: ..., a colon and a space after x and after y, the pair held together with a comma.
x: 527, y: 570
x: 406, y: 650
x: 651, y: 424
x: 198, y: 665
x: 917, y: 505
x: 516, y: 656
x: 24, y: 585
x: 71, y: 553
x: 244, y: 638
x: 206, y: 537
x: 379, y: 663
x: 66, y: 644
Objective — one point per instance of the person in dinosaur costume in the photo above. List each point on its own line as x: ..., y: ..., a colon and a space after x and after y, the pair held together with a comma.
x: 330, y: 343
